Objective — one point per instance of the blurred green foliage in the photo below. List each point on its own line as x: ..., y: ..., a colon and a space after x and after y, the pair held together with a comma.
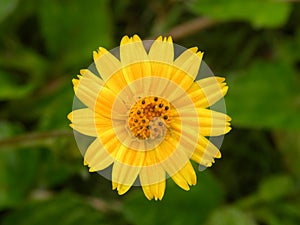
x: 260, y: 14
x: 255, y: 44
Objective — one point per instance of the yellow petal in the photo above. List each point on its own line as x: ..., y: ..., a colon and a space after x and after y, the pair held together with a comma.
x: 188, y: 135
x: 167, y: 68
x: 171, y: 157
x: 211, y: 81
x: 124, y: 175
x: 161, y: 55
x: 205, y: 152
x: 160, y: 86
x: 196, y: 146
x: 155, y: 191
x: 89, y: 75
x: 135, y: 62
x: 75, y: 83
x: 121, y: 188
x: 204, y: 92
x: 126, y: 168
x: 151, y: 174
x: 212, y: 89
x: 97, y: 157
x: 132, y: 50
x: 107, y: 136
x: 110, y: 69
x: 86, y: 74
x: 105, y: 101
x: 163, y: 73
x: 87, y: 88
x: 135, y: 72
x: 162, y: 50
x: 130, y: 156
x: 106, y: 63
x: 185, y: 177
x: 189, y: 61
x: 152, y: 179
x: 148, y: 192
x: 83, y: 121
x: 211, y: 123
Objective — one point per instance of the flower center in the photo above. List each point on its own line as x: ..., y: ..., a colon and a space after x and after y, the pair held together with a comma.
x: 150, y: 117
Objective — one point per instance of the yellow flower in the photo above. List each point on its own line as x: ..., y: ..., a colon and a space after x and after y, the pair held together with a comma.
x: 148, y: 115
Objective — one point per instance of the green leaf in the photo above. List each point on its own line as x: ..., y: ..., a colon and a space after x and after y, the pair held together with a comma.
x: 266, y: 95
x: 9, y: 129
x: 230, y: 216
x: 65, y: 209
x: 18, y: 171
x: 55, y: 107
x: 18, y: 168
x: 56, y: 170
x: 177, y: 206
x: 72, y: 29
x: 289, y: 47
x: 6, y: 8
x: 275, y: 188
x: 260, y: 13
x: 289, y: 144
x: 283, y: 212
x: 10, y: 89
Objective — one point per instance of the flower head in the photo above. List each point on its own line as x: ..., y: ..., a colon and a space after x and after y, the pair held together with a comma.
x: 148, y: 115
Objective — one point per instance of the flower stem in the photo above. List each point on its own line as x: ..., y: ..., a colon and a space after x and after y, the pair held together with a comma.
x: 29, y: 138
